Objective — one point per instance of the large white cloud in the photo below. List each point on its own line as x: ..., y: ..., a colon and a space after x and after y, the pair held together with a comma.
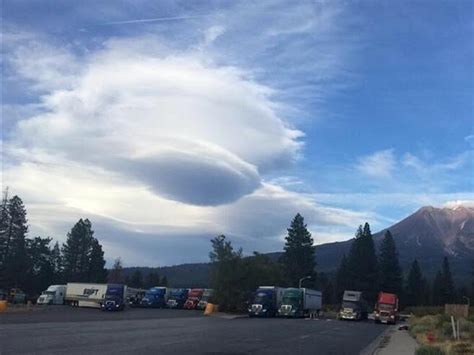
x: 188, y: 130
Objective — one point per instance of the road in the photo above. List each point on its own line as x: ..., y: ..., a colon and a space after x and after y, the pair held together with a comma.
x: 141, y: 331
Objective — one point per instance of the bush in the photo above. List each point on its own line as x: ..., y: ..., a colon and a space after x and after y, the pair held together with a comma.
x: 424, y: 310
x: 429, y: 350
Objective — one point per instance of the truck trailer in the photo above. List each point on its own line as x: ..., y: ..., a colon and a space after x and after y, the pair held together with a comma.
x: 206, y: 295
x: 96, y: 295
x: 299, y: 302
x: 53, y: 295
x: 194, y: 296
x: 386, y: 308
x: 354, y: 306
x: 155, y: 297
x: 266, y: 301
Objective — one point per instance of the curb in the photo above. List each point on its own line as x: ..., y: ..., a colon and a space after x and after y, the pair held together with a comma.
x: 375, y: 344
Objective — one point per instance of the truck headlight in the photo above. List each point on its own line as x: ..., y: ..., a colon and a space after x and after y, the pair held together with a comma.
x: 264, y: 310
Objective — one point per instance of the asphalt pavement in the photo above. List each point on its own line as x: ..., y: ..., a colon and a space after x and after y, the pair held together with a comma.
x: 159, y: 331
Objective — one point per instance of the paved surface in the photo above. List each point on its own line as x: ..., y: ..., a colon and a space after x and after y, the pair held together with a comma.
x: 143, y: 331
x: 397, y: 342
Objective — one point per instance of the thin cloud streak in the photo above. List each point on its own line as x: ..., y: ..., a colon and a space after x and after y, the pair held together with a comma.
x: 157, y: 19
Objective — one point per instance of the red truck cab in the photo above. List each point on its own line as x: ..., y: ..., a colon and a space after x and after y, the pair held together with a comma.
x: 194, y: 296
x: 386, y: 308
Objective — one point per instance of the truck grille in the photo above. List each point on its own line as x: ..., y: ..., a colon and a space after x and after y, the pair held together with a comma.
x: 256, y: 308
x: 286, y: 308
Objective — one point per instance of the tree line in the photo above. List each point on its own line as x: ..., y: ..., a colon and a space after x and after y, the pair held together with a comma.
x: 234, y: 277
x: 32, y: 264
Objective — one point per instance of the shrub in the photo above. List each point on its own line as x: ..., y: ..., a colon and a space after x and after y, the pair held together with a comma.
x: 429, y: 350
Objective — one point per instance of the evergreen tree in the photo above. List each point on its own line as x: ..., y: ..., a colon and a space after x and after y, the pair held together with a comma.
x: 325, y: 285
x: 437, y: 294
x: 116, y: 274
x: 415, y: 286
x: 164, y: 281
x: 227, y: 275
x: 389, y: 266
x: 57, y: 263
x: 152, y: 279
x: 448, y: 288
x: 4, y: 236
x: 298, y: 258
x: 83, y: 257
x: 472, y: 282
x: 136, y: 280
x: 97, y: 271
x: 342, y: 279
x: 362, y: 264
x: 40, y: 269
x: 15, y: 259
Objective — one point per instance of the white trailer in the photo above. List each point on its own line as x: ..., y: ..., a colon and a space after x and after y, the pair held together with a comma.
x: 85, y: 294
x: 312, y: 300
x: 53, y: 295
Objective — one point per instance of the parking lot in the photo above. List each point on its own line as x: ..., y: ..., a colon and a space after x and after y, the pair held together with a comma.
x: 61, y: 329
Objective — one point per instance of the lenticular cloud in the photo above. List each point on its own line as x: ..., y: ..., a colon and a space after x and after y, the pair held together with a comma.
x: 186, y: 129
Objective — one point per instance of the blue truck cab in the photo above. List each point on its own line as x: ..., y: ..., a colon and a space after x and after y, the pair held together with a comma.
x: 178, y: 297
x: 114, y: 299
x: 155, y: 297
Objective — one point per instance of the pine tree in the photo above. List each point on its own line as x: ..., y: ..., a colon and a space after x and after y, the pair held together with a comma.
x: 116, y: 274
x: 152, y: 279
x: 415, y: 286
x: 40, y: 269
x: 362, y: 263
x: 437, y: 294
x: 136, y: 280
x: 228, y: 272
x: 342, y: 278
x: 14, y: 251
x: 298, y: 258
x: 448, y: 289
x: 164, y: 281
x: 57, y: 263
x: 97, y: 271
x: 389, y: 266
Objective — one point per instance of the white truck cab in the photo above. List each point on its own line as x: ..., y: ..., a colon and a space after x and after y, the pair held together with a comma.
x: 53, y: 295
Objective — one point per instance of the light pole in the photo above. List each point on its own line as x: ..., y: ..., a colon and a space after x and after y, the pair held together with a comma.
x: 302, y: 279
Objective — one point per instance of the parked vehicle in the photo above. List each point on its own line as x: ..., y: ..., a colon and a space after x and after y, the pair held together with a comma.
x: 16, y: 296
x: 54, y: 294
x: 299, y: 302
x: 178, y: 297
x: 194, y: 296
x: 353, y: 306
x: 115, y: 298
x: 207, y: 294
x: 155, y: 297
x: 135, y: 296
x: 3, y: 295
x: 386, y: 308
x: 85, y: 294
x: 266, y: 301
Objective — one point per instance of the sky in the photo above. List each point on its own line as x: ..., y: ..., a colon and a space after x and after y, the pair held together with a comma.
x: 167, y: 123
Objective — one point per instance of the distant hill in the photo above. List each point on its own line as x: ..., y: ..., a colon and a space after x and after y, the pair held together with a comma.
x: 429, y: 234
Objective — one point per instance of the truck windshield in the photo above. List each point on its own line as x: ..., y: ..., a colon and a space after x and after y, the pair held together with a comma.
x: 350, y: 304
x: 292, y: 299
x: 49, y: 293
x: 114, y: 291
x: 262, y: 298
x: 386, y: 307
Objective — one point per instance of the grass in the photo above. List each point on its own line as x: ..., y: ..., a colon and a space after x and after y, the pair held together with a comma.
x: 434, y: 333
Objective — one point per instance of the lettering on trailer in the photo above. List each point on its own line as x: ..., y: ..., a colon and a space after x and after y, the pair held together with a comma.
x: 90, y: 291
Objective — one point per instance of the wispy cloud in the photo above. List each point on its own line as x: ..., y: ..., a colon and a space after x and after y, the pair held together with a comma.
x: 156, y: 19
x: 380, y: 164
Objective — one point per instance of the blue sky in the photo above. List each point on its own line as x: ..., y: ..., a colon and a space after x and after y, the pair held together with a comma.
x: 169, y: 122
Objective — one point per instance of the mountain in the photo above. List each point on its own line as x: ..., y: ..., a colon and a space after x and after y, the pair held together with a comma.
x: 429, y: 234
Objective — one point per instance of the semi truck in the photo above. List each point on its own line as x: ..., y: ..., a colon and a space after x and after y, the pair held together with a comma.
x: 104, y: 296
x: 115, y: 298
x: 266, y: 302
x: 155, y: 297
x: 207, y: 294
x: 194, y: 296
x: 386, y: 308
x: 178, y: 297
x: 299, y: 302
x: 354, y: 306
x: 54, y: 294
